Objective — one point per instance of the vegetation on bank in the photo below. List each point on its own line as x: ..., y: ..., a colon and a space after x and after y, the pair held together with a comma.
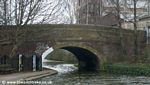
x: 140, y: 67
x: 128, y: 69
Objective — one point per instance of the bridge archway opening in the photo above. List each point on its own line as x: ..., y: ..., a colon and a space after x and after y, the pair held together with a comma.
x: 87, y: 60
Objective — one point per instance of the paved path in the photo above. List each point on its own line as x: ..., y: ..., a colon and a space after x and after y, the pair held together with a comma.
x: 26, y: 75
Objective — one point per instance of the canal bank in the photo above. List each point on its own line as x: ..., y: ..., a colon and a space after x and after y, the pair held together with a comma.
x: 27, y: 75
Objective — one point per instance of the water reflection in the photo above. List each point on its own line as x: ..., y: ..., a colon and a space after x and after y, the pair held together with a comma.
x: 70, y: 76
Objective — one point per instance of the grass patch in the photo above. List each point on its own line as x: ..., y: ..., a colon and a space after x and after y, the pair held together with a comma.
x: 129, y: 69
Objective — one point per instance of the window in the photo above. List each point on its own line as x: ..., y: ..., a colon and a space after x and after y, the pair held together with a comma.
x: 148, y: 34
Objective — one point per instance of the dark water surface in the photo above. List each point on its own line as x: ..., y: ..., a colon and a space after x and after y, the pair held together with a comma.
x: 69, y: 75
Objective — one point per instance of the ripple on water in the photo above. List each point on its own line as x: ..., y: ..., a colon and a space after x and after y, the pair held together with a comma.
x: 68, y: 75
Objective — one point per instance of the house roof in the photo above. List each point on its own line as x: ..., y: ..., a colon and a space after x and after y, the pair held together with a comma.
x: 109, y: 19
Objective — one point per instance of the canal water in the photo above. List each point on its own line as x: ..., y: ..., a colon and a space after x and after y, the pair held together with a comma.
x: 69, y: 75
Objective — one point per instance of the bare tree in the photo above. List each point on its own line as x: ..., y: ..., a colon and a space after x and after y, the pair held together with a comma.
x: 117, y: 11
x: 23, y: 12
x: 148, y: 6
x: 71, y: 10
x: 4, y: 12
x: 54, y: 12
x: 131, y: 14
x: 135, y: 30
x: 134, y: 20
x: 89, y: 11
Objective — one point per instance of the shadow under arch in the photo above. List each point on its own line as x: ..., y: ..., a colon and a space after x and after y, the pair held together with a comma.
x: 87, y: 60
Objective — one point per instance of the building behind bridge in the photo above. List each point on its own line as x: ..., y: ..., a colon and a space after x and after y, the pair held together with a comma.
x: 103, y: 12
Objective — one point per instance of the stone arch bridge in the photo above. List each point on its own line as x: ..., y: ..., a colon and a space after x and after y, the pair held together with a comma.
x: 92, y: 45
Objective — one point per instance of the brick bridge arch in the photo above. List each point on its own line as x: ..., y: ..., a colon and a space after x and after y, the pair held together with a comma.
x: 102, y: 42
x: 88, y: 57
